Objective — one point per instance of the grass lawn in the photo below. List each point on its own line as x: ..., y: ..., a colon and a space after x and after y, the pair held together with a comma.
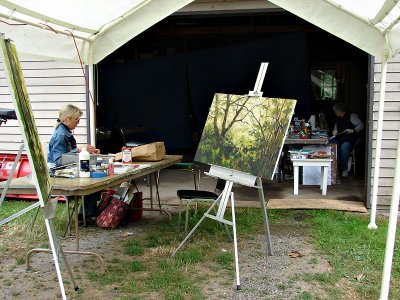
x: 150, y: 273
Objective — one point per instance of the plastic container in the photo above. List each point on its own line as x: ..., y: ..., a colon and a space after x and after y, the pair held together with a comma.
x: 126, y: 155
x: 84, y: 163
x: 110, y: 167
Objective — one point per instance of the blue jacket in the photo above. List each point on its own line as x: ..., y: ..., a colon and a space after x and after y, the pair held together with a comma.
x: 62, y: 141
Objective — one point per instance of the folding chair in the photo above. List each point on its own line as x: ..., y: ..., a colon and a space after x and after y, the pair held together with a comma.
x: 193, y: 196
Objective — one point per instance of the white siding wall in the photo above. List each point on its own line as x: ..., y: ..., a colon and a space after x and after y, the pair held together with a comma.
x: 50, y: 85
x: 391, y: 127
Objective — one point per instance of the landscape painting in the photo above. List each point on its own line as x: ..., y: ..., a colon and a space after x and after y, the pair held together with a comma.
x: 245, y: 133
x: 26, y: 119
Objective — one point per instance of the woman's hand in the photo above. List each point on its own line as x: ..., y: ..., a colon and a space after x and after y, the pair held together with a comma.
x: 90, y: 149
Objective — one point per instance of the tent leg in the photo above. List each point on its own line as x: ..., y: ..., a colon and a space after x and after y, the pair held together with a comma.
x: 378, y: 146
x: 391, y: 235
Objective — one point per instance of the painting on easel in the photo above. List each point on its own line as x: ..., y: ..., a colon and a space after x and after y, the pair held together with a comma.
x: 26, y: 120
x: 245, y: 133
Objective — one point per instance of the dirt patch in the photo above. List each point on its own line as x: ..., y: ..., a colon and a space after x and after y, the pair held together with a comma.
x: 262, y: 277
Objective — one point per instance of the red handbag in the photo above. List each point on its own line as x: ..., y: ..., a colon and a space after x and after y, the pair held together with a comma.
x: 113, y: 214
x: 106, y: 198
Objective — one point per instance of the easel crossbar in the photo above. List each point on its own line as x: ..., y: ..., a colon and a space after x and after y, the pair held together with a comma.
x: 219, y: 219
x: 20, y: 213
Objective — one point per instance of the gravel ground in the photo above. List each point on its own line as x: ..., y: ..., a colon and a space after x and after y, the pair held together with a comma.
x: 277, y: 276
x: 262, y: 276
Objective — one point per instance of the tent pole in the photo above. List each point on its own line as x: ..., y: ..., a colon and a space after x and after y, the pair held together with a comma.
x: 378, y: 144
x: 92, y: 105
x: 92, y: 108
x: 391, y: 235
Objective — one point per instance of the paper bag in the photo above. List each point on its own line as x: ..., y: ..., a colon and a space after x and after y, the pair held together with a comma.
x: 149, y: 152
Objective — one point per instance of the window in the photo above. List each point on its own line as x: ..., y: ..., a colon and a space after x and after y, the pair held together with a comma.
x: 324, y: 84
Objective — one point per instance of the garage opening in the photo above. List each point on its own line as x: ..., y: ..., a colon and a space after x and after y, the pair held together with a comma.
x: 159, y: 86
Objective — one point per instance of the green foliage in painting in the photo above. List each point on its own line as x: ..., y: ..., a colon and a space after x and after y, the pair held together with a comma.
x: 26, y: 118
x: 245, y: 133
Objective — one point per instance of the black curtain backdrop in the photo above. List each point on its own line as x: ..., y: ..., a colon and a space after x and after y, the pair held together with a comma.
x: 171, y: 95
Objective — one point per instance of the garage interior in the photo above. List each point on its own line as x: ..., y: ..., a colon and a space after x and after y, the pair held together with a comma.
x: 159, y: 86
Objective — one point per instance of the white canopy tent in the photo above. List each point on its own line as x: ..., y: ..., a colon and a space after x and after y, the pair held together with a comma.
x: 374, y: 27
x: 80, y: 31
x: 99, y: 26
x: 45, y: 28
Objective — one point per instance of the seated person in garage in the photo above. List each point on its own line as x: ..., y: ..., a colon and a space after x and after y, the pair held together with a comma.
x: 347, y: 134
x: 63, y: 141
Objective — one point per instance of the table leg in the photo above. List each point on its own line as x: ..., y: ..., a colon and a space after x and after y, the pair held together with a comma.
x: 325, y: 180
x: 76, y: 201
x: 296, y: 180
x: 77, y: 251
x: 321, y: 182
x: 150, y: 178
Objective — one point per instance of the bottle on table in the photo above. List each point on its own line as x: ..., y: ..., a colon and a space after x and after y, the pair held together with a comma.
x: 84, y: 160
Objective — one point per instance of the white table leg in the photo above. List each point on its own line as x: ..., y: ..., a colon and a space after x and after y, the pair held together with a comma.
x: 296, y: 180
x: 321, y: 183
x: 325, y: 180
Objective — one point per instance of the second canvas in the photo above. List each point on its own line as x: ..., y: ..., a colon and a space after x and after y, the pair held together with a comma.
x: 245, y: 133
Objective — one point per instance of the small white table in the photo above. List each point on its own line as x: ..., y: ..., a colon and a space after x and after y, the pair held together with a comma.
x: 324, y: 163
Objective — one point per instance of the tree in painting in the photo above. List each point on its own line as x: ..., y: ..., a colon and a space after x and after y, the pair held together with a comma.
x: 245, y: 133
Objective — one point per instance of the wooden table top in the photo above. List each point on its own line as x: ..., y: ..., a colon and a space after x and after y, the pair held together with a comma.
x: 86, y: 186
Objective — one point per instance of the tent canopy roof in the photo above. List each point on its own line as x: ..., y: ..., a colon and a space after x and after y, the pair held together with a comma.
x: 372, y: 25
x: 99, y: 27
x: 45, y: 27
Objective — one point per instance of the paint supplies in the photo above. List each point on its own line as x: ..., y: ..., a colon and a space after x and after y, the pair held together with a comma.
x: 126, y: 155
x: 110, y: 166
x: 84, y: 167
x: 100, y: 169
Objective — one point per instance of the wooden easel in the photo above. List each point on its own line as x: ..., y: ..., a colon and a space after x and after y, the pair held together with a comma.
x: 40, y: 176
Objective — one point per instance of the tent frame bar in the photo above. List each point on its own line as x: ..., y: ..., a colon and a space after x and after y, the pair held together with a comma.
x: 120, y: 19
x: 43, y: 26
x: 366, y: 21
x: 47, y: 19
x: 95, y: 34
x: 383, y: 12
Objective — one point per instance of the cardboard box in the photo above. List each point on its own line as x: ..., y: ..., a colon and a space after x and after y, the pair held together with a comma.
x: 148, y: 152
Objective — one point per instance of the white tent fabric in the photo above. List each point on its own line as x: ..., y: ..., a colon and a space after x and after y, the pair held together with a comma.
x: 365, y: 24
x: 99, y: 26
x: 102, y: 26
x: 79, y: 30
x: 372, y: 26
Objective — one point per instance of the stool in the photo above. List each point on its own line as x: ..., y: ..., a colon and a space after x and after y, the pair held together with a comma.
x: 191, y: 167
x: 324, y: 163
x: 193, y: 196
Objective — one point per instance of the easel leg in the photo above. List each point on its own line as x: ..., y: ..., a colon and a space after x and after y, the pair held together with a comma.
x: 224, y: 226
x: 265, y: 216
x: 235, y: 242
x: 76, y: 287
x: 195, y: 227
x: 188, y: 236
x: 11, y: 174
x: 52, y: 238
